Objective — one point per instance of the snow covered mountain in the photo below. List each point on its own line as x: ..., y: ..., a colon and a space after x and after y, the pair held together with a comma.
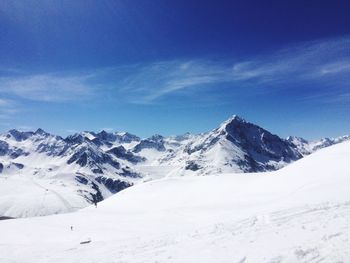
x: 237, y: 146
x: 297, y: 214
x: 44, y: 174
x: 306, y: 147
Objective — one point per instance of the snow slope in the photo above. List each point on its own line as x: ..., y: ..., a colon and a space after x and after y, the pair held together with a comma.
x: 297, y: 214
x: 44, y: 174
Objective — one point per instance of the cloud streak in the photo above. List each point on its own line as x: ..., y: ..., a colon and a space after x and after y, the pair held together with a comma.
x: 7, y: 108
x: 314, y: 63
x: 308, y: 61
x: 47, y: 87
x: 151, y: 82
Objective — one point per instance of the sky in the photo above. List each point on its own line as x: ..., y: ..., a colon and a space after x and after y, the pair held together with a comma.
x: 170, y: 67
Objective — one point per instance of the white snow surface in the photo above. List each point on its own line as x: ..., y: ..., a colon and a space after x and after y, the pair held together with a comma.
x: 300, y: 213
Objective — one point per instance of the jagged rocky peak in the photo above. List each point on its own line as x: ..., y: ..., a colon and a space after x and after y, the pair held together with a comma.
x: 226, y: 130
x: 4, y: 148
x: 12, y: 152
x: 156, y: 138
x: 302, y: 145
x: 76, y: 138
x: 248, y: 134
x: 127, y: 137
x: 296, y: 139
x: 19, y: 135
x: 94, y: 159
x: 106, y: 136
x: 325, y: 142
x: 118, y: 150
x: 122, y: 153
x: 234, y: 122
x: 41, y: 132
x: 182, y: 137
x: 245, y: 145
x: 154, y: 142
x: 235, y: 119
x: 239, y: 127
x: 120, y: 137
x: 109, y: 138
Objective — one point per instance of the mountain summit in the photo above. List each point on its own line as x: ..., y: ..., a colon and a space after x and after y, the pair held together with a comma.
x: 240, y: 146
x: 88, y: 167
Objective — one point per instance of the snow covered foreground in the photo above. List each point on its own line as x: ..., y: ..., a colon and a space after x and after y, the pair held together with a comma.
x: 300, y: 213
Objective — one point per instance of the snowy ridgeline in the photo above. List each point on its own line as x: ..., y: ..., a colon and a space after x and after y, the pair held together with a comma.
x: 42, y: 174
x: 300, y: 213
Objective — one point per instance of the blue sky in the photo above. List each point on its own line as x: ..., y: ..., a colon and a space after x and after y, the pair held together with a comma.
x: 170, y: 67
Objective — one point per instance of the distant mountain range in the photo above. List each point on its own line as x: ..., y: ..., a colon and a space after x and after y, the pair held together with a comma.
x: 88, y: 167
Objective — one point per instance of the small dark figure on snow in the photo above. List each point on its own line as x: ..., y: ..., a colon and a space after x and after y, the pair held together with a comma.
x: 71, y: 228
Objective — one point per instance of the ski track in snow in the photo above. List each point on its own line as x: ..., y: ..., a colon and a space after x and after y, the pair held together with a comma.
x: 64, y: 201
x: 268, y: 238
x: 298, y: 214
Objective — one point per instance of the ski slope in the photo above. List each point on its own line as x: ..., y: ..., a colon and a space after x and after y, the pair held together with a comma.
x: 27, y: 196
x: 300, y: 213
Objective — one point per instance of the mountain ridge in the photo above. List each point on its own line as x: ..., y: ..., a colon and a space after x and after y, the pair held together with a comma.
x: 89, y: 167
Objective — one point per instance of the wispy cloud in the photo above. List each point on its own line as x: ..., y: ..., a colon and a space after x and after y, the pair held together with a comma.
x: 7, y: 108
x: 307, y: 61
x: 51, y: 88
x: 334, y: 68
x: 315, y: 63
x: 5, y: 103
x: 339, y: 98
x: 150, y: 82
x: 47, y: 87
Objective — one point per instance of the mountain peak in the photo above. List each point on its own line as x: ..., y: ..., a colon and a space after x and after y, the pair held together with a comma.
x: 296, y: 139
x: 232, y: 119
x: 156, y: 137
x: 106, y: 136
x: 13, y: 131
x: 41, y: 132
x: 236, y: 118
x: 19, y: 135
x: 76, y: 138
x: 103, y: 132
